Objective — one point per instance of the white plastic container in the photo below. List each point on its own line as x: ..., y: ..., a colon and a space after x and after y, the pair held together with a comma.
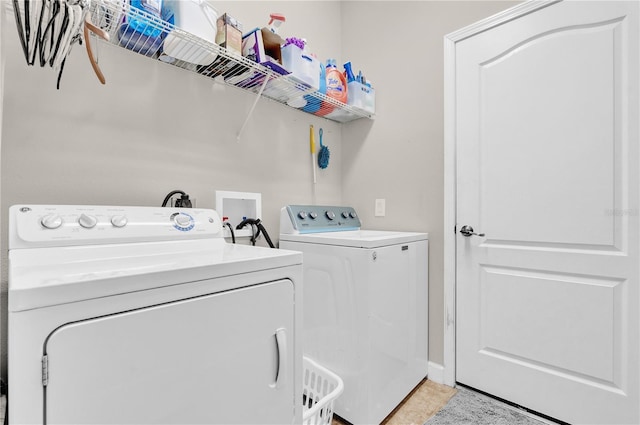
x: 301, y: 65
x: 320, y: 388
x: 361, y: 96
x: 196, y: 17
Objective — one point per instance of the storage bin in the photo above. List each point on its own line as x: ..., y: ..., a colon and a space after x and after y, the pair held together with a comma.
x: 138, y: 30
x: 303, y: 67
x: 361, y: 96
x: 320, y: 389
x: 313, y: 102
x: 131, y: 39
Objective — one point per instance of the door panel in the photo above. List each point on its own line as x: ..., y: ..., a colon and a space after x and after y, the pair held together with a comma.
x: 547, y: 167
x: 210, y: 359
x: 572, y: 150
x: 581, y: 345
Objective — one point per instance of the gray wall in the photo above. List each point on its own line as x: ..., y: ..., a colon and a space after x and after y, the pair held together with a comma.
x: 401, y: 158
x: 154, y: 128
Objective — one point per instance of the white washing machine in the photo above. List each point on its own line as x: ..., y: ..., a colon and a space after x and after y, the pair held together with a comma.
x: 365, y: 306
x: 134, y: 315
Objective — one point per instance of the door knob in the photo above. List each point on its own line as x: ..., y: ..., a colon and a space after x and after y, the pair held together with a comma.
x: 467, y: 231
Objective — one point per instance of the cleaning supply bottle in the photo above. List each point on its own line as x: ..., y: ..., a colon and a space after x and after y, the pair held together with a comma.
x: 336, y: 82
x: 348, y: 72
x: 336, y: 87
x: 275, y: 20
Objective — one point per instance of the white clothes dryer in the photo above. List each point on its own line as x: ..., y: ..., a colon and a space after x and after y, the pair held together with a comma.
x: 365, y: 306
x: 134, y: 315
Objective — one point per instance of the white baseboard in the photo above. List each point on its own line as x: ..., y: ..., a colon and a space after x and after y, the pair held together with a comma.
x: 435, y: 372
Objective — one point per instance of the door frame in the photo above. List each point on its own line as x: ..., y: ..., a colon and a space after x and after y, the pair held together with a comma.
x: 450, y: 158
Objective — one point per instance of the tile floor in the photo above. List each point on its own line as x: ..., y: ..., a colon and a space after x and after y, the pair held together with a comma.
x: 424, y: 402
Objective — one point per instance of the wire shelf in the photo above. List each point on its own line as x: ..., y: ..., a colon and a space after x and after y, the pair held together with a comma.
x: 145, y: 34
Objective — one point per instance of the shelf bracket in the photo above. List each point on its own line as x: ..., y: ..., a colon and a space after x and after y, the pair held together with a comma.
x: 255, y: 102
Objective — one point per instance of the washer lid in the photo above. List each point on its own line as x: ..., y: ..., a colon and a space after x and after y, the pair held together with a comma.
x: 49, y: 276
x: 357, y: 238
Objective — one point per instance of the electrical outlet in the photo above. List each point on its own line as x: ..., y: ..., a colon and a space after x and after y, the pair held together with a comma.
x: 380, y: 208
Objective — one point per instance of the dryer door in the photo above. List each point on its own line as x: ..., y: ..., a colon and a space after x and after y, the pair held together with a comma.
x: 220, y: 358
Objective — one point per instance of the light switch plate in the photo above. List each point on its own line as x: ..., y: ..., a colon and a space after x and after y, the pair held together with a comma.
x: 380, y: 208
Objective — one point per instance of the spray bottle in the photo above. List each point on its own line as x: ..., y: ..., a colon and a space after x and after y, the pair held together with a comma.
x: 348, y: 72
x: 274, y: 23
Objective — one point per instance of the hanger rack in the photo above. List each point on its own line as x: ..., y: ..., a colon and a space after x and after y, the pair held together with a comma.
x: 115, y: 16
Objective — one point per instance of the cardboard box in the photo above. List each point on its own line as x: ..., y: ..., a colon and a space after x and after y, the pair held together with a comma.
x: 253, y: 48
x: 230, y: 20
x: 272, y: 43
x: 229, y: 34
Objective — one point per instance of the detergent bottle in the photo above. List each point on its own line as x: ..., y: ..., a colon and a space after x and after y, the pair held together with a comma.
x: 336, y: 82
x: 336, y: 87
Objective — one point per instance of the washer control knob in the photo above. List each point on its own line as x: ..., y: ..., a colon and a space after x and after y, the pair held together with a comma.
x: 302, y: 215
x: 313, y: 215
x: 330, y: 215
x: 182, y: 220
x: 87, y: 221
x: 51, y: 221
x: 345, y: 214
x: 353, y: 214
x: 119, y: 220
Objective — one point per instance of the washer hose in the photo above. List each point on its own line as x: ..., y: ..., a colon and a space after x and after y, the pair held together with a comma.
x: 254, y: 234
x: 183, y: 202
x: 233, y: 235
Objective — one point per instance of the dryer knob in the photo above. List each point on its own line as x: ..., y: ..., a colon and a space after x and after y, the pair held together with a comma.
x: 330, y: 215
x: 51, y: 221
x: 345, y: 214
x: 302, y: 215
x: 313, y: 215
x: 119, y: 221
x: 87, y: 221
x: 353, y: 214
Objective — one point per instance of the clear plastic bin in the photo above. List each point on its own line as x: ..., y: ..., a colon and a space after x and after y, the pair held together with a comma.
x: 361, y: 96
x: 301, y: 65
x: 321, y: 388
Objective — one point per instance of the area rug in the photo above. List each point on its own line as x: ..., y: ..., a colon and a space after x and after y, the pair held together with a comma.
x: 468, y: 407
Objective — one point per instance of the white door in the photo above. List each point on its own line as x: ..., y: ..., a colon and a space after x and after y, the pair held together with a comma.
x: 221, y: 358
x: 547, y: 168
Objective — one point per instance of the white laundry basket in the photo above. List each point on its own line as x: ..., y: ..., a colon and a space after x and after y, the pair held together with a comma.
x: 320, y: 388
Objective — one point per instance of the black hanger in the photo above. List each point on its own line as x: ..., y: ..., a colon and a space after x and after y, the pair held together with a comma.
x: 23, y: 42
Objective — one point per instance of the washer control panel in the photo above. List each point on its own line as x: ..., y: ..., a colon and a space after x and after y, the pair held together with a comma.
x: 60, y: 225
x: 318, y: 218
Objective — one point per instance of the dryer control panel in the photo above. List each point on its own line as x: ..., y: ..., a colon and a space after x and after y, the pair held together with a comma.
x: 32, y: 226
x: 318, y: 218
